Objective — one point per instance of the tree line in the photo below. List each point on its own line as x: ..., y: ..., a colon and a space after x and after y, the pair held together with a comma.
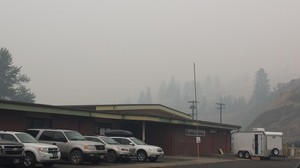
x: 238, y: 110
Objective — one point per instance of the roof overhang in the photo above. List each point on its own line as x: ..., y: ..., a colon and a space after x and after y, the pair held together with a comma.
x: 101, y: 112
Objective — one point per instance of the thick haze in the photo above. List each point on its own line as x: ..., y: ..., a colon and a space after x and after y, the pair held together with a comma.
x: 108, y: 51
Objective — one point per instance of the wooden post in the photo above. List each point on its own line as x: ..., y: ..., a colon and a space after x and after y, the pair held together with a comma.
x: 198, y: 149
x: 198, y: 141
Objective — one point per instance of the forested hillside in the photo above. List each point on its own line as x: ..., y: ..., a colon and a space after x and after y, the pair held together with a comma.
x: 283, y: 113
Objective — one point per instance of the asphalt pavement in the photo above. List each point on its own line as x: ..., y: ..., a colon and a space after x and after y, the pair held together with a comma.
x: 169, y: 161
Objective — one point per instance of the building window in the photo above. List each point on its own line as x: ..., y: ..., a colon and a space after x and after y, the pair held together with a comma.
x: 39, y: 123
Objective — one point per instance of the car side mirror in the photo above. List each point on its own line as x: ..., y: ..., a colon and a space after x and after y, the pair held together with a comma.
x: 132, y: 144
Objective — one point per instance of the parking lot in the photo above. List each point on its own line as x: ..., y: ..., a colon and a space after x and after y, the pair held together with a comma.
x: 216, y: 161
x: 191, y: 162
x: 244, y: 163
x: 164, y: 162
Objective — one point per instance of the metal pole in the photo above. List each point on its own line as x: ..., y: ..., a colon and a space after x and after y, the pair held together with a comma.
x: 196, y: 111
x: 143, y: 130
x: 221, y: 107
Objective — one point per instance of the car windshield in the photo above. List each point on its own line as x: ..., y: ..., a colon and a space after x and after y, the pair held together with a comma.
x: 138, y: 142
x: 74, y: 136
x: 110, y: 141
x: 26, y: 138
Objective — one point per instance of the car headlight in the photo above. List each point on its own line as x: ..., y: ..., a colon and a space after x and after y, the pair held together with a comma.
x: 151, y: 149
x: 89, y: 147
x: 44, y: 150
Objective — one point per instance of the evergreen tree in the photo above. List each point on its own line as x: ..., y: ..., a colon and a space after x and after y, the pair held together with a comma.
x: 12, y: 81
x: 145, y: 98
x: 261, y: 89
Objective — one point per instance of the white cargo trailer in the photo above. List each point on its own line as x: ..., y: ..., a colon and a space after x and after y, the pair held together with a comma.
x: 258, y: 143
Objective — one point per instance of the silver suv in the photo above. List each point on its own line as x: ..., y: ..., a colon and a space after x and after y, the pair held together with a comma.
x: 35, y: 152
x: 73, y: 146
x: 143, y: 150
x: 115, y: 150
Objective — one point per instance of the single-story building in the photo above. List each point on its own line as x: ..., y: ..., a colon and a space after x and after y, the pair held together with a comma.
x: 156, y: 124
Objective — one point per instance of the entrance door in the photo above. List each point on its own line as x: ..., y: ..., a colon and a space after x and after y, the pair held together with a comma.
x: 258, y: 144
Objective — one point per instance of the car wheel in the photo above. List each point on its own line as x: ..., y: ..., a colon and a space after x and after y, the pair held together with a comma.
x: 247, y: 155
x: 141, y: 156
x: 275, y: 152
x: 48, y: 164
x: 240, y: 154
x: 76, y: 157
x: 29, y: 160
x: 153, y: 159
x: 111, y: 157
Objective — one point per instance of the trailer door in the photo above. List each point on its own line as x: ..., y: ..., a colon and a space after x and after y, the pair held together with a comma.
x: 258, y: 144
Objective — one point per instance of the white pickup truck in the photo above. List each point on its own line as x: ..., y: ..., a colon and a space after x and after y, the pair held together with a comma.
x: 35, y: 152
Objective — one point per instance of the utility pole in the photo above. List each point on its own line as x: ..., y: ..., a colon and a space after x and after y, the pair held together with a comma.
x: 195, y: 88
x: 193, y: 105
x: 221, y: 107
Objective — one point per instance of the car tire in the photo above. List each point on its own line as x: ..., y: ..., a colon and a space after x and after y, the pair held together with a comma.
x: 48, y: 164
x: 111, y: 156
x: 76, y: 157
x: 275, y: 152
x: 141, y: 156
x: 29, y: 160
x: 247, y: 155
x: 240, y: 154
x: 153, y: 159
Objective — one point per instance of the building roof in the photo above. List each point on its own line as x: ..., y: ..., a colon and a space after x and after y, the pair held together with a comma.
x: 141, y: 112
x: 154, y: 110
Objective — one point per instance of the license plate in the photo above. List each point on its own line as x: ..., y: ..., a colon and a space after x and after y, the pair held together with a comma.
x: 16, y: 161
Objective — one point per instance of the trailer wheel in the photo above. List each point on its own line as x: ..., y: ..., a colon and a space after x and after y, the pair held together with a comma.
x: 240, y: 154
x: 275, y: 152
x: 247, y: 155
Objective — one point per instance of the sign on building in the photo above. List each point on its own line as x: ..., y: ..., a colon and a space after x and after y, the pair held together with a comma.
x: 194, y: 132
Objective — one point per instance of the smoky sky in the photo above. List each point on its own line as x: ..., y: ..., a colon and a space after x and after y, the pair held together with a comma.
x: 106, y: 51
